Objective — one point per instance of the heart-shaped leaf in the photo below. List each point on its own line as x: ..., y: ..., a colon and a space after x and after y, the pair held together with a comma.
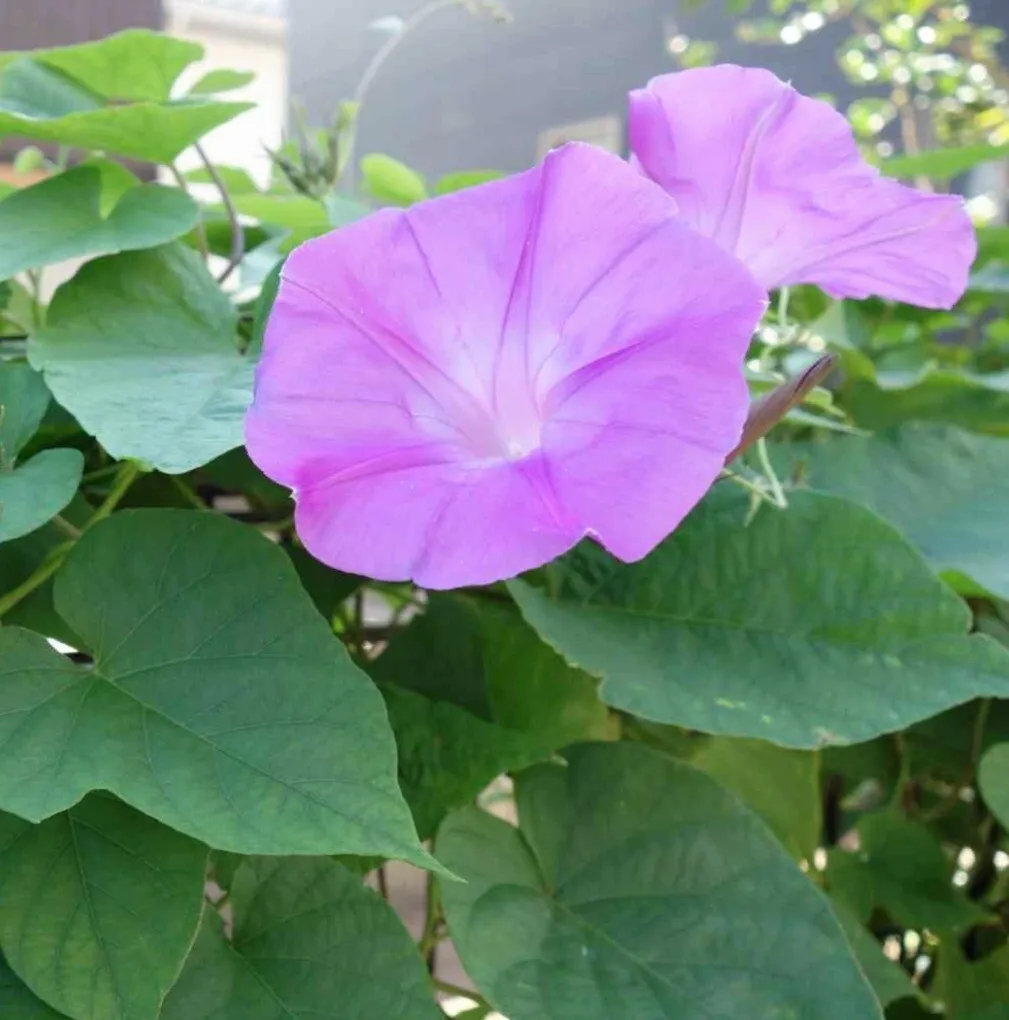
x: 60, y: 219
x: 35, y: 491
x: 219, y: 701
x: 637, y: 888
x: 811, y: 626
x: 946, y: 490
x: 40, y: 102
x: 135, y: 64
x: 142, y: 349
x: 98, y: 907
x: 309, y: 940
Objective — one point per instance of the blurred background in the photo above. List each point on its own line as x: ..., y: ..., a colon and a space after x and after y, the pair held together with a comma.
x: 497, y: 84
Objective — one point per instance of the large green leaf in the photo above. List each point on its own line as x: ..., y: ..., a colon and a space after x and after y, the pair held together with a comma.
x: 219, y: 701
x: 811, y: 626
x: 135, y: 64
x: 35, y: 491
x: 221, y: 79
x: 302, y: 217
x: 944, y: 489
x: 638, y: 889
x: 485, y: 658
x: 943, y: 164
x: 901, y: 867
x: 781, y: 785
x: 390, y: 181
x: 889, y: 981
x: 969, y: 400
x: 993, y: 780
x: 142, y: 349
x: 448, y: 756
x: 99, y: 906
x: 17, y: 1002
x: 309, y: 940
x: 61, y: 218
x: 41, y: 103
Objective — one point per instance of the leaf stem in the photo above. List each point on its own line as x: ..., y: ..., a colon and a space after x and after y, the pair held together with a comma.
x: 237, y: 230
x: 46, y: 569
x: 125, y: 477
x: 201, y: 234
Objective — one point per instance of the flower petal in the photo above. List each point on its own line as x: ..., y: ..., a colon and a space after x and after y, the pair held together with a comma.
x: 414, y: 359
x: 776, y: 178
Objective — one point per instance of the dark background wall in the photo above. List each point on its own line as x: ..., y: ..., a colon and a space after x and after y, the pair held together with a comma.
x: 463, y: 91
x: 466, y: 92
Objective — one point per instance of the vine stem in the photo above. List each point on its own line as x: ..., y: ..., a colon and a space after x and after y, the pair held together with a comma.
x: 201, y: 234
x: 237, y: 230
x: 125, y: 477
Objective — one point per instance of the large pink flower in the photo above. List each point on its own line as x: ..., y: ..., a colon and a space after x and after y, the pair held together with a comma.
x: 462, y: 391
x: 776, y: 178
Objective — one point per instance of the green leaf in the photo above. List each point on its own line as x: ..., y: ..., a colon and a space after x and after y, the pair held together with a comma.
x: 970, y: 400
x: 439, y: 655
x: 136, y: 64
x: 389, y: 181
x: 889, y: 981
x: 17, y: 1002
x: 264, y: 305
x: 811, y: 626
x: 309, y: 940
x: 326, y: 587
x: 945, y: 490
x: 993, y: 781
x: 303, y: 218
x: 448, y: 756
x: 943, y: 164
x: 462, y: 179
x: 219, y: 701
x: 781, y: 785
x: 486, y: 659
x: 221, y: 80
x: 974, y: 990
x: 60, y: 219
x: 901, y: 868
x: 20, y: 558
x: 99, y: 906
x: 342, y: 211
x: 236, y: 180
x: 24, y: 398
x: 35, y: 491
x: 40, y: 103
x: 142, y: 349
x: 638, y: 888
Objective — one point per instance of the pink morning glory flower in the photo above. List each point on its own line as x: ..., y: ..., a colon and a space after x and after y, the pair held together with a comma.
x: 776, y: 178
x: 463, y: 390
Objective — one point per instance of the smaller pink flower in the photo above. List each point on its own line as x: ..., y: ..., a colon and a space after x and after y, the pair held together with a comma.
x: 776, y: 178
x: 463, y: 390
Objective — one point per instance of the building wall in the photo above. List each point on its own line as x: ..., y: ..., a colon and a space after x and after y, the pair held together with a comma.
x: 464, y: 91
x: 244, y: 42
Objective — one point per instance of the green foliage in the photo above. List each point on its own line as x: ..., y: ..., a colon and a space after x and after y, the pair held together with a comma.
x: 150, y: 330
x: 77, y: 897
x: 63, y: 218
x: 34, y: 491
x: 306, y: 936
x: 741, y: 767
x: 819, y: 626
x: 624, y: 877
